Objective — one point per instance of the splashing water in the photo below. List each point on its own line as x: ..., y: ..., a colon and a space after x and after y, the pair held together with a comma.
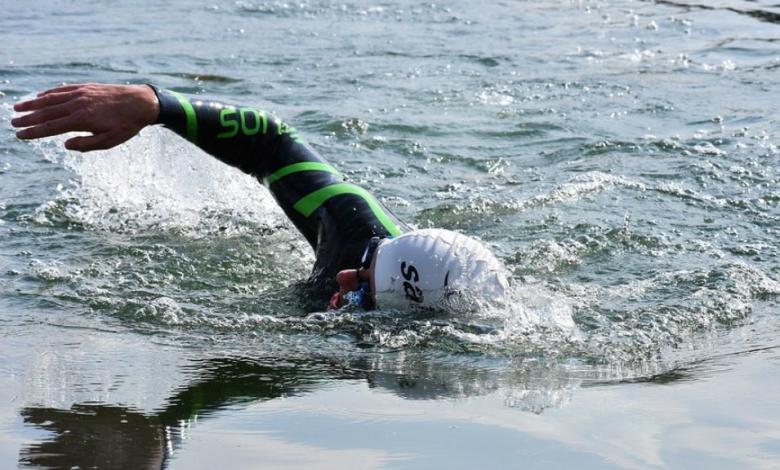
x: 159, y: 185
x: 156, y: 182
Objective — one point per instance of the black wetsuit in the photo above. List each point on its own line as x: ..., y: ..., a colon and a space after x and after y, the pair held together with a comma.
x: 337, y: 218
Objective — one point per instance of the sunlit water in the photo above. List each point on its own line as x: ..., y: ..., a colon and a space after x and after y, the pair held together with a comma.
x: 619, y: 157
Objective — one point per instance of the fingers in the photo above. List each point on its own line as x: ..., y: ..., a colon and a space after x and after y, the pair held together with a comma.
x: 93, y: 142
x: 62, y: 89
x: 100, y: 141
x: 42, y: 115
x: 44, y: 101
x: 50, y: 128
x: 111, y: 113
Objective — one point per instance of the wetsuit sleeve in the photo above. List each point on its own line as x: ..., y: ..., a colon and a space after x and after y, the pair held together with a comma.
x: 257, y: 143
x: 245, y: 137
x: 336, y: 217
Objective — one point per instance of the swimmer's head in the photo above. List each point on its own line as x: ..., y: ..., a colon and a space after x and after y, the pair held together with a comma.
x: 424, y: 269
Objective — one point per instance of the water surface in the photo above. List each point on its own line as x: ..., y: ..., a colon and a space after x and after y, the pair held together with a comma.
x: 620, y: 158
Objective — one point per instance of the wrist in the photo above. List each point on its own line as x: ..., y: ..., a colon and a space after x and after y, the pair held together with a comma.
x: 149, y: 104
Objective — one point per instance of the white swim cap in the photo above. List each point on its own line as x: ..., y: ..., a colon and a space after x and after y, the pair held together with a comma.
x: 424, y: 268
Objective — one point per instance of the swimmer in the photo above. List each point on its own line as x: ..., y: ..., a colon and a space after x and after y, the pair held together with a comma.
x: 364, y: 255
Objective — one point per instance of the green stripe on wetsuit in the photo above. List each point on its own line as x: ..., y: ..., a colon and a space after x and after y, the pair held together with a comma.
x: 302, y: 183
x: 296, y: 167
x: 312, y: 201
x: 192, y: 120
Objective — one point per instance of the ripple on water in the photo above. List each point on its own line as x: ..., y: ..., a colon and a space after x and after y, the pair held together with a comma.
x: 186, y: 288
x: 213, y: 261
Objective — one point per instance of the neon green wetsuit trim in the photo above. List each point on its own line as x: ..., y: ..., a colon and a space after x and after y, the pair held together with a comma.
x: 312, y: 201
x: 296, y: 167
x: 192, y: 120
x: 336, y: 218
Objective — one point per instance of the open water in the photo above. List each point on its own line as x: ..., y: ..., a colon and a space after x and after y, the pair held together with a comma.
x: 621, y: 157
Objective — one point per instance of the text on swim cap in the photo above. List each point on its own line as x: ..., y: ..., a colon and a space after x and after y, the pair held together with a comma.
x: 411, y: 275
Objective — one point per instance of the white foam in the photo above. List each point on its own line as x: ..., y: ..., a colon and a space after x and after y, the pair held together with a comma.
x: 584, y: 184
x: 157, y: 180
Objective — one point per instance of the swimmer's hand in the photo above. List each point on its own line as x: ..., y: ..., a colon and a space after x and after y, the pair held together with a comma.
x: 111, y: 113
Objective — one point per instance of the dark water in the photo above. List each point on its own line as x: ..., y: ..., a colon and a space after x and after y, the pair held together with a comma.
x: 620, y: 157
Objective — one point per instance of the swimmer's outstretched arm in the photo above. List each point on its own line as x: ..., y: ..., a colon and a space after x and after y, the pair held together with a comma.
x: 243, y: 137
x: 111, y: 113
